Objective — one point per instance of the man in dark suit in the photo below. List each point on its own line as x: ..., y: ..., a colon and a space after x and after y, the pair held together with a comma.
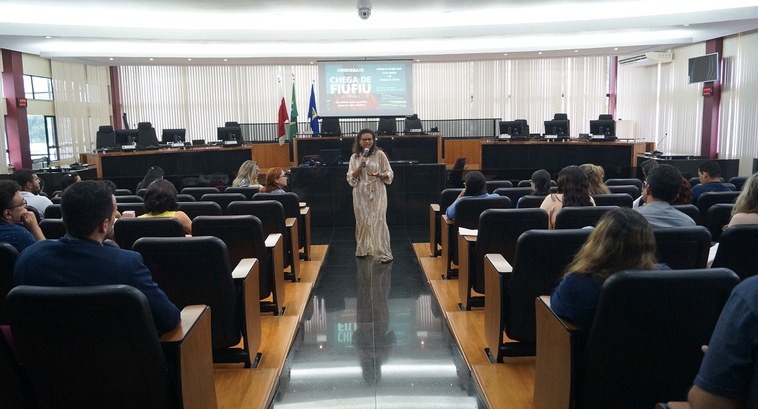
x: 81, y: 259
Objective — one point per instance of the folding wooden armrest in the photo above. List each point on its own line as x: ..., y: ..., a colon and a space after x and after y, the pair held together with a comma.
x: 466, y: 245
x: 434, y: 215
x: 292, y: 226
x: 275, y: 246
x: 305, y: 216
x: 188, y: 346
x: 246, y: 275
x: 555, y: 338
x: 496, y: 269
x: 445, y: 226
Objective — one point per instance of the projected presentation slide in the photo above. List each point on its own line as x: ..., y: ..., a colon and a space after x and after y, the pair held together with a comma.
x: 365, y: 88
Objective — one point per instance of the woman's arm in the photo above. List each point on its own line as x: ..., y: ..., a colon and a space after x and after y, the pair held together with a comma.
x: 185, y: 220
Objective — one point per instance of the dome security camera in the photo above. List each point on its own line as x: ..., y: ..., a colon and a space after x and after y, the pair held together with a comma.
x: 364, y: 9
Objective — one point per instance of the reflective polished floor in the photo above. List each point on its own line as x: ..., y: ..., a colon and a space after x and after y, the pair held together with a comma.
x: 373, y: 336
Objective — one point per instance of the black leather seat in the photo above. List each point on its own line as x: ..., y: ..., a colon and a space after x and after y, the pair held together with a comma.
x: 455, y: 176
x: 436, y: 210
x: 123, y: 192
x: 8, y: 255
x: 129, y: 199
x: 708, y: 199
x: 194, y: 209
x: 52, y: 228
x: 467, y: 216
x: 631, y: 190
x: 498, y: 232
x: 717, y: 217
x: 198, y: 192
x: 495, y: 184
x: 126, y: 231
x: 528, y: 183
x: 271, y: 214
x: 196, y: 270
x: 183, y: 197
x: 614, y: 199
x: 690, y: 210
x: 578, y: 217
x: 291, y: 204
x: 53, y: 211
x: 247, y: 191
x: 96, y: 347
x: 223, y: 199
x: 146, y: 137
x: 682, y: 247
x: 624, y: 181
x: 738, y: 181
x: 244, y: 238
x: 637, y: 352
x: 530, y: 201
x: 540, y: 260
x: 513, y: 193
x: 737, y: 250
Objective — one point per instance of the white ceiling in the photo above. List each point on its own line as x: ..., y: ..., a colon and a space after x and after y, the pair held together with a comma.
x: 300, y: 31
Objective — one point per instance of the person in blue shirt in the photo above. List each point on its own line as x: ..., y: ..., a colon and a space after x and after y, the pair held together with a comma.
x: 709, y: 173
x: 18, y: 225
x: 475, y: 186
x: 622, y: 240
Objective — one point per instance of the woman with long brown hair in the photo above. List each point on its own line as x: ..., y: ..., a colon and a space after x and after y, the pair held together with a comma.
x: 622, y: 240
x: 573, y: 190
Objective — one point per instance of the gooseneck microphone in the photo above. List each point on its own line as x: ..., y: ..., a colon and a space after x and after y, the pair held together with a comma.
x: 365, y: 152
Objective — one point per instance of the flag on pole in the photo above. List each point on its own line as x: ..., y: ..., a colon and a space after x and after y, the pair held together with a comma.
x: 293, y: 116
x: 281, y: 131
x: 313, y: 114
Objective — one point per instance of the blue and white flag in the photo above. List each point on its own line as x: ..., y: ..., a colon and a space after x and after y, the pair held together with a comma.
x: 313, y: 114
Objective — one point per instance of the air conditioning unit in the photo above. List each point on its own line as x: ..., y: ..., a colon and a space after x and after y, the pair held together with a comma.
x: 651, y: 58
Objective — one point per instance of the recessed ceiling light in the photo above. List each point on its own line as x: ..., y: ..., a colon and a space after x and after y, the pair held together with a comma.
x: 151, y: 59
x: 226, y: 59
x: 48, y: 37
x: 505, y: 53
x: 418, y: 60
x: 686, y: 25
x: 189, y: 59
x: 540, y: 53
x: 615, y: 48
x: 110, y: 59
x: 576, y: 51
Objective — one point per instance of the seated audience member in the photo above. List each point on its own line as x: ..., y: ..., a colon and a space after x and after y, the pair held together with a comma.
x: 81, y: 259
x: 160, y: 201
x: 540, y: 183
x: 18, y: 226
x: 622, y: 240
x: 596, y: 178
x: 745, y: 210
x: 573, y: 191
x: 153, y: 174
x: 474, y: 186
x: 727, y: 376
x: 709, y: 173
x: 661, y: 188
x: 30, y: 190
x: 67, y: 180
x: 247, y: 175
x: 685, y: 193
x: 276, y: 180
x: 647, y: 166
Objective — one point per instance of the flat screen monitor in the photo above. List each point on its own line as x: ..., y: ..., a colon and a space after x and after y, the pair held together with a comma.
x: 557, y: 127
x: 173, y: 135
x: 230, y: 133
x: 387, y: 126
x: 126, y: 136
x: 514, y: 128
x: 603, y: 127
x: 703, y: 69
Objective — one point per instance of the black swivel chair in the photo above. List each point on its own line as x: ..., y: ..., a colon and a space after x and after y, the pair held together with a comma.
x: 737, y: 250
x: 96, y: 347
x: 682, y: 248
x: 146, y: 137
x: 637, y: 352
x: 330, y: 126
x: 540, y: 259
x: 126, y: 231
x: 499, y: 230
x: 244, y: 238
x: 196, y: 270
x: 105, y: 137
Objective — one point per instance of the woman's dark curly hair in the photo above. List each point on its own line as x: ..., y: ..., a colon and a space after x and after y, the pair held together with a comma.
x: 160, y: 197
x: 573, y: 183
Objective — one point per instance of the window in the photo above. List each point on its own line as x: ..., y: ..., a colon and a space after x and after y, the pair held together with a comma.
x: 38, y: 87
x: 43, y: 138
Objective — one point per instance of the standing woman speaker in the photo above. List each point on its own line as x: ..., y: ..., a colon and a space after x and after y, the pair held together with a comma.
x: 368, y: 173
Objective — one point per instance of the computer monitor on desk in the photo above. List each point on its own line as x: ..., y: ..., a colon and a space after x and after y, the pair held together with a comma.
x: 230, y: 135
x: 517, y: 129
x: 603, y: 129
x: 126, y: 137
x: 174, y: 135
x: 557, y: 129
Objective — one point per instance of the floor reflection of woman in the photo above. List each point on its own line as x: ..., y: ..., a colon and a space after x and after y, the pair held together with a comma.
x: 368, y: 173
x: 372, y: 337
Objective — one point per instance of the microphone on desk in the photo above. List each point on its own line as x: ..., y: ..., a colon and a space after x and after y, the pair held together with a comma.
x: 365, y: 152
x: 656, y: 152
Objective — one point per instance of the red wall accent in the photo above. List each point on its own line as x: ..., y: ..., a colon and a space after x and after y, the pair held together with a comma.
x: 116, y: 98
x: 709, y: 140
